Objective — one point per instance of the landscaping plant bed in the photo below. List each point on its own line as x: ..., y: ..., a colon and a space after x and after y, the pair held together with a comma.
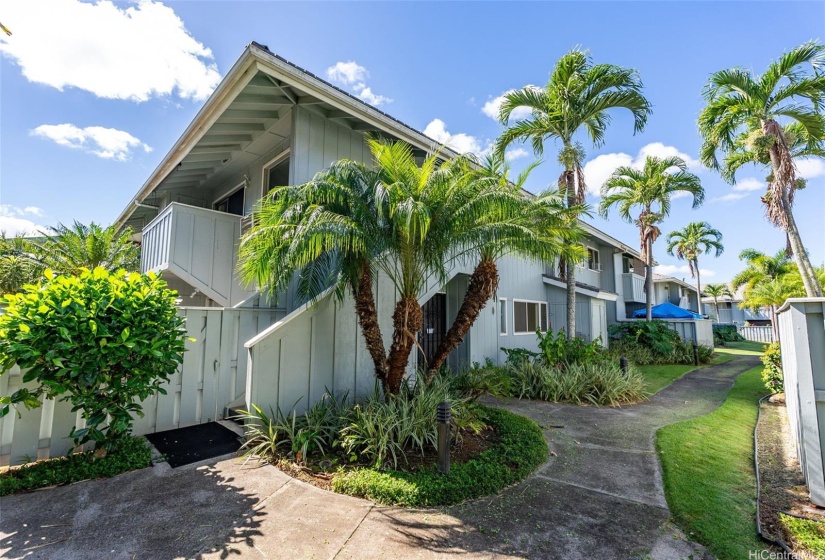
x: 130, y: 454
x: 508, y: 450
x: 782, y: 488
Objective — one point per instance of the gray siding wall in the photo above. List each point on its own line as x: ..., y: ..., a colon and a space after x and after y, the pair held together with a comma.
x: 317, y: 142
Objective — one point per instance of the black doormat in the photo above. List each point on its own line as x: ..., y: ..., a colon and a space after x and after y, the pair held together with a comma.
x: 195, y: 443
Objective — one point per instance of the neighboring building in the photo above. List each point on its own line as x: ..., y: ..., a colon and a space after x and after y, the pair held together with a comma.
x: 678, y: 292
x: 731, y: 313
x: 271, y: 123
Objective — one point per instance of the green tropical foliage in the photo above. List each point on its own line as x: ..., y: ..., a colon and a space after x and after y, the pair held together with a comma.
x: 772, y: 372
x: 103, y: 341
x: 649, y: 191
x: 577, y: 100
x: 768, y: 120
x: 687, y: 244
x: 716, y: 291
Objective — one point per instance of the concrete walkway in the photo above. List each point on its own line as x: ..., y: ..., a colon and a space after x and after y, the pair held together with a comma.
x: 599, y: 496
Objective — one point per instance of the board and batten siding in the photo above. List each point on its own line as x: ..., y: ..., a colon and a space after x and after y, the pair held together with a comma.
x: 212, y: 377
x: 318, y: 142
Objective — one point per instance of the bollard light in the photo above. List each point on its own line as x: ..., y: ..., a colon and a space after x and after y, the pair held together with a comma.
x: 443, y: 416
x: 695, y: 354
x: 623, y: 364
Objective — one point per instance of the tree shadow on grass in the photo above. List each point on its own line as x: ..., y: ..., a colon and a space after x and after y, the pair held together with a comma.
x: 157, y: 512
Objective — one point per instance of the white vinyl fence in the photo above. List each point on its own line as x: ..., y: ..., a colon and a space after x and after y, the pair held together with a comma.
x: 757, y: 334
x: 802, y: 336
x: 213, y: 376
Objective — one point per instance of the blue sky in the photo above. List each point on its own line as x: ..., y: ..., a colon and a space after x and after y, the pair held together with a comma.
x: 95, y: 93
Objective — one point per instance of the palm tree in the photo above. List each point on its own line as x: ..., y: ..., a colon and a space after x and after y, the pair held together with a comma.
x: 771, y: 294
x: 410, y: 222
x: 761, y: 268
x: 716, y: 291
x: 687, y: 244
x: 71, y: 248
x: 742, y: 121
x: 19, y: 263
x: 542, y: 228
x: 578, y: 98
x: 650, y: 189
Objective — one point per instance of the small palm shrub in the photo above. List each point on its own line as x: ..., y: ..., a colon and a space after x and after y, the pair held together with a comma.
x: 655, y: 335
x: 557, y: 351
x: 726, y: 333
x: 652, y: 342
x: 772, y: 373
x: 595, y: 383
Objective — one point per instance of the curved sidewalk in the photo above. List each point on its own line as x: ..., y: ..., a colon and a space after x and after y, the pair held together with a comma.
x: 599, y: 496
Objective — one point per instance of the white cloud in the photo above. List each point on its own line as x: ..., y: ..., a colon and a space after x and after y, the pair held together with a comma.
x: 730, y: 197
x: 671, y: 270
x: 810, y: 168
x: 347, y: 73
x: 600, y: 168
x: 15, y: 221
x: 354, y: 76
x: 133, y: 53
x: 107, y: 143
x: 515, y: 153
x: 749, y: 184
x: 460, y: 142
x: 491, y: 108
x: 367, y: 95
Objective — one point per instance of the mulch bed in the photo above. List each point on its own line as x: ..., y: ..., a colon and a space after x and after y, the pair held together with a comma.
x: 781, y: 484
x: 320, y: 472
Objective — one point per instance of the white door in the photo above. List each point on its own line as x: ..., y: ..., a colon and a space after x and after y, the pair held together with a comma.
x: 598, y: 320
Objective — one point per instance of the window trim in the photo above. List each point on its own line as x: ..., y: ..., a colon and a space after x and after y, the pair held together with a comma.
x: 506, y: 318
x: 537, y: 302
x: 598, y: 258
x: 226, y: 195
x: 277, y: 160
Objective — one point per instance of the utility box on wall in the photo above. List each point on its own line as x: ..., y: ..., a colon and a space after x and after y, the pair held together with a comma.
x: 802, y: 338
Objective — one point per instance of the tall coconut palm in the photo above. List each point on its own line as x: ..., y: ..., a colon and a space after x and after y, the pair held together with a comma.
x: 746, y: 120
x: 687, y: 244
x: 577, y: 99
x: 716, y: 291
x: 70, y: 248
x: 541, y: 228
x: 649, y: 189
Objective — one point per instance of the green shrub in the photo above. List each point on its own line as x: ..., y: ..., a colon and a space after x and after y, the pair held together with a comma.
x: 520, y: 449
x: 126, y: 454
x: 772, y: 372
x: 519, y: 355
x: 479, y: 380
x: 726, y: 333
x: 557, y: 351
x: 601, y: 383
x: 102, y: 340
x: 655, y: 335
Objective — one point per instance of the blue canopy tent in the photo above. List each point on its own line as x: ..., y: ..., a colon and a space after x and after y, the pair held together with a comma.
x: 667, y: 310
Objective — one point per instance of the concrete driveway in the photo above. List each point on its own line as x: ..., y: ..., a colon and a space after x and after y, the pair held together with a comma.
x: 599, y: 496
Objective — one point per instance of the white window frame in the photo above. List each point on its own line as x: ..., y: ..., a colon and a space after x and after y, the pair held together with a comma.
x: 227, y: 194
x: 598, y: 258
x: 277, y: 160
x: 540, y: 304
x: 503, y: 300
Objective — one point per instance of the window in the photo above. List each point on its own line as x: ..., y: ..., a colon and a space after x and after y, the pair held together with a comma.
x: 277, y: 175
x: 627, y: 264
x: 529, y: 316
x: 232, y: 204
x: 593, y: 262
x: 502, y: 316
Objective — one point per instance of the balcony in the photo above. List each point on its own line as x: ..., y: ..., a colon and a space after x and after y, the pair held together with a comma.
x: 589, y: 276
x: 199, y: 247
x: 633, y: 287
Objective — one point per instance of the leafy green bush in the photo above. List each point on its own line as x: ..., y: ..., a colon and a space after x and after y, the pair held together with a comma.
x: 557, y: 351
x: 519, y: 355
x: 655, y: 335
x: 126, y: 454
x: 726, y: 333
x: 772, y: 373
x: 479, y: 380
x: 102, y: 340
x: 520, y: 449
x: 600, y: 383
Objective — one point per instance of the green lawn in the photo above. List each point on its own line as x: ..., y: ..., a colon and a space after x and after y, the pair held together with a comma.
x: 657, y: 377
x: 707, y: 466
x: 746, y: 348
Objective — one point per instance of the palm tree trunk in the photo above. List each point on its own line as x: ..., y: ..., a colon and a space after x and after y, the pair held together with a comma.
x: 483, y: 284
x: 571, y: 266
x: 698, y: 287
x: 368, y: 321
x: 649, y: 282
x: 774, y: 324
x: 716, y: 305
x: 809, y: 280
x: 406, y: 320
